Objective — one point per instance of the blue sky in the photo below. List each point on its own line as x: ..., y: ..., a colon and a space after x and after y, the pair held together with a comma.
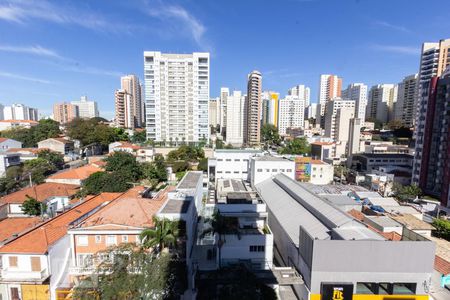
x: 53, y: 51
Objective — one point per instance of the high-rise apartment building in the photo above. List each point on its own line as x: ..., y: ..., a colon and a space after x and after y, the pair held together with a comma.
x: 224, y: 92
x: 342, y: 109
x: 311, y: 111
x: 270, y: 103
x: 20, y: 112
x: 302, y: 92
x: 124, y: 109
x: 404, y: 109
x: 131, y: 85
x: 357, y: 92
x: 214, y: 112
x: 330, y: 87
x: 252, y: 124
x: 64, y: 112
x: 432, y: 166
x: 292, y: 113
x: 235, y: 119
x: 433, y: 61
x: 380, y: 105
x: 176, y: 96
x: 86, y: 108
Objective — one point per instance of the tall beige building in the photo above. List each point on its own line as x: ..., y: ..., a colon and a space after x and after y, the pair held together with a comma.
x: 124, y: 117
x: 64, y: 112
x: 252, y: 123
x: 330, y: 87
x: 131, y: 85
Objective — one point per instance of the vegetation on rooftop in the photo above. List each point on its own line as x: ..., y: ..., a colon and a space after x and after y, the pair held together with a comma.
x: 442, y: 228
x: 406, y: 193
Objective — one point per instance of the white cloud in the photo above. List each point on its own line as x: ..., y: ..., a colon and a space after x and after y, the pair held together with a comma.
x: 37, y: 50
x: 20, y: 11
x: 26, y: 78
x: 396, y: 49
x: 183, y: 20
x: 392, y: 26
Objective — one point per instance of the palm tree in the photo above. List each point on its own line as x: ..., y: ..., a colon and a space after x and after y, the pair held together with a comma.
x: 164, y: 234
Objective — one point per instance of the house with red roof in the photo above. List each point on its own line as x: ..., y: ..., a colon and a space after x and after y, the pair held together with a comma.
x: 34, y: 263
x: 75, y: 176
x: 61, y: 145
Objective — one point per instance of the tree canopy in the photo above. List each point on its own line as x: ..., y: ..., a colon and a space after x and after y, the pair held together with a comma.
x: 29, y: 137
x: 124, y: 163
x: 94, y: 131
x: 297, y: 146
x: 186, y: 152
x: 269, y: 135
x: 32, y: 207
x: 406, y: 193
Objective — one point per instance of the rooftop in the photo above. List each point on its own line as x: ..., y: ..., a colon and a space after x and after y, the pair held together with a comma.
x: 129, y: 209
x: 190, y: 180
x: 41, y: 192
x: 270, y: 158
x: 15, y: 226
x: 413, y: 223
x: 41, y: 237
x: 384, y: 221
x: 386, y: 155
x: 61, y: 140
x: 77, y: 173
x: 238, y: 150
x: 176, y: 206
x: 330, y: 189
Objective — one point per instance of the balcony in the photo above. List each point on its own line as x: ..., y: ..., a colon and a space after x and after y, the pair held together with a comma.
x: 77, y: 271
x: 13, y: 274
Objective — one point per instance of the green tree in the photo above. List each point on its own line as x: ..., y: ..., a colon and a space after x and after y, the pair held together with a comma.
x: 219, y: 144
x: 156, y: 169
x: 32, y: 207
x: 139, y: 136
x: 125, y: 163
x: 127, y: 273
x: 269, y: 135
x: 101, y: 182
x: 94, y: 131
x: 395, y: 124
x: 297, y: 146
x: 39, y: 168
x: 406, y: 193
x: 12, y: 180
x: 29, y: 137
x: 442, y: 228
x: 186, y: 152
x: 203, y: 165
x: 54, y: 158
x: 164, y: 234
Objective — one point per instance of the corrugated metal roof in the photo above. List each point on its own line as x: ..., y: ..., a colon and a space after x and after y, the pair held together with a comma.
x: 289, y: 213
x: 328, y: 214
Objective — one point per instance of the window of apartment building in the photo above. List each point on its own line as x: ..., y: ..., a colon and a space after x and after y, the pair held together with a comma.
x: 82, y: 240
x: 256, y: 248
x: 219, y: 172
x: 274, y: 170
x: 281, y: 170
x: 267, y: 170
x: 289, y: 170
x: 111, y: 240
x: 236, y: 172
x: 98, y: 239
x: 84, y: 259
x: 314, y: 168
x: 228, y: 159
x: 219, y: 159
x: 227, y: 172
x: 259, y: 170
x: 124, y: 238
x: 237, y: 159
x: 366, y: 288
x: 404, y: 288
x: 13, y: 262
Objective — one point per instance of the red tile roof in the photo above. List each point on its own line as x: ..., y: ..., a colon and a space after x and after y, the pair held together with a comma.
x: 441, y: 265
x: 40, y: 238
x: 62, y: 140
x: 77, y: 173
x: 19, y: 121
x: 130, y: 209
x: 31, y: 150
x: 127, y: 145
x: 11, y: 226
x: 41, y: 192
x: 322, y: 143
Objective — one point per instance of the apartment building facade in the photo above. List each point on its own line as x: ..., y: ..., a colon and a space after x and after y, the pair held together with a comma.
x: 252, y: 123
x: 235, y: 119
x: 330, y: 86
x: 86, y: 108
x: 291, y: 113
x: 357, y: 92
x: 131, y: 85
x: 65, y: 112
x: 176, y: 96
x: 380, y: 105
x: 404, y: 109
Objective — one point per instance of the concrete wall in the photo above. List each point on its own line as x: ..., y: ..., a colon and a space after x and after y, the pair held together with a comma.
x: 9, y: 143
x: 261, y: 170
x: 372, y: 261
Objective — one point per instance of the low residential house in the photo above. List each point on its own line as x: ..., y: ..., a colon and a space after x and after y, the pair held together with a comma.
x: 120, y: 221
x: 9, y: 124
x: 7, y: 160
x: 143, y: 154
x: 76, y: 175
x: 34, y: 263
x: 6, y: 144
x: 60, y: 145
x: 55, y: 196
x: 26, y: 153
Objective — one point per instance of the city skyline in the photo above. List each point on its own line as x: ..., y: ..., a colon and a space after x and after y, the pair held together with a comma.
x: 48, y: 55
